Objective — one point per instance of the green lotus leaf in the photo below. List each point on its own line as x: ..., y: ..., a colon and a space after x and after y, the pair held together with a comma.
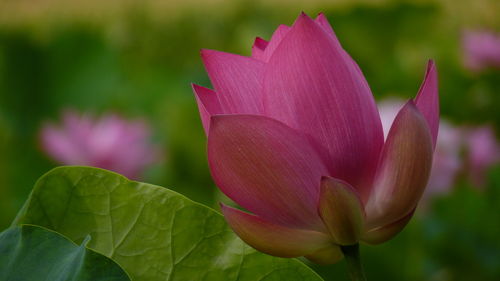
x: 30, y: 252
x: 152, y: 232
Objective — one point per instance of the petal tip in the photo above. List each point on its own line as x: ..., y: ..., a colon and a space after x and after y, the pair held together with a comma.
x: 195, y: 87
x: 303, y: 17
x: 260, y: 43
x: 431, y: 68
x: 203, y: 52
x: 427, y: 99
x: 321, y: 17
x: 411, y: 107
x: 208, y: 54
x: 198, y: 89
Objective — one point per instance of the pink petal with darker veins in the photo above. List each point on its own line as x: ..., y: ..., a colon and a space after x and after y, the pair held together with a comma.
x: 322, y: 21
x: 427, y: 100
x: 237, y: 81
x: 276, y: 39
x: 267, y: 168
x: 312, y: 86
x: 274, y: 239
x: 258, y: 48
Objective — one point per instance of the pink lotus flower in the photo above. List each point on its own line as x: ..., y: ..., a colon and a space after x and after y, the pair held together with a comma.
x: 109, y: 142
x: 481, y: 49
x: 294, y: 137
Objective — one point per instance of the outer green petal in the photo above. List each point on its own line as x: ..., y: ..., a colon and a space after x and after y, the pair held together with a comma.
x: 341, y: 210
x: 385, y: 233
x: 329, y: 255
x: 403, y: 170
x: 274, y: 239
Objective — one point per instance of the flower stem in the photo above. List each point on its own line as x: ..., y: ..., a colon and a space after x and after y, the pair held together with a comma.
x: 351, y: 254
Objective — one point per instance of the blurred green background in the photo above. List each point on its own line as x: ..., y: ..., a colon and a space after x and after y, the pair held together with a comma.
x: 138, y: 58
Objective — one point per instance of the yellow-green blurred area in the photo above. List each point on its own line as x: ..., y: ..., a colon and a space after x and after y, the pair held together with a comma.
x: 138, y: 58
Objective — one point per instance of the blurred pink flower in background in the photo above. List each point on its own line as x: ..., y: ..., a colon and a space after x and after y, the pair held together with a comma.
x: 481, y: 49
x: 447, y: 162
x: 483, y: 152
x: 109, y: 142
x: 460, y: 150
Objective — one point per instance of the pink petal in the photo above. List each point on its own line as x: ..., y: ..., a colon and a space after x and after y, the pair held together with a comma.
x: 404, y: 169
x: 107, y: 134
x: 267, y: 168
x: 310, y: 85
x: 341, y: 210
x: 78, y: 127
x: 60, y: 146
x: 276, y: 39
x: 427, y: 100
x: 483, y: 152
x: 274, y: 239
x: 481, y: 49
x: 258, y: 48
x: 236, y: 79
x: 382, y: 234
x: 322, y: 21
x: 208, y: 104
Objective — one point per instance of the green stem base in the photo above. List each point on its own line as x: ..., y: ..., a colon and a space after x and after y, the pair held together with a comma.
x: 352, y: 257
